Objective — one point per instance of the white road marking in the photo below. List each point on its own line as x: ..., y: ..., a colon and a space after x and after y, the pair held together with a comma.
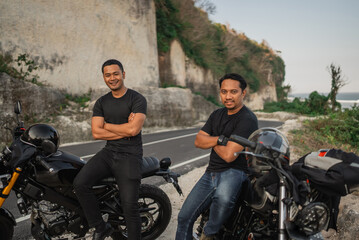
x: 20, y: 219
x: 154, y: 142
x: 189, y: 161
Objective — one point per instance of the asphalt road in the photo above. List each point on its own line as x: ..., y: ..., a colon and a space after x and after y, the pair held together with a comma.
x: 178, y: 145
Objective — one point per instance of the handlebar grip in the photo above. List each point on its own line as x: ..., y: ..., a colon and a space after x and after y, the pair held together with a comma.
x: 44, y: 164
x: 242, y: 141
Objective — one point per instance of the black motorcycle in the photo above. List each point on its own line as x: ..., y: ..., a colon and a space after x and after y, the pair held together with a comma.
x: 282, y: 201
x: 42, y: 177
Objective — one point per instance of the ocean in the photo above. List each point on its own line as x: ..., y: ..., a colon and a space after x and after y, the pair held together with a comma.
x: 347, y: 100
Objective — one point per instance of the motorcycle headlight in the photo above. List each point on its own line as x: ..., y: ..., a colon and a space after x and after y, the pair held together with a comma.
x: 313, y: 218
x: 5, y: 155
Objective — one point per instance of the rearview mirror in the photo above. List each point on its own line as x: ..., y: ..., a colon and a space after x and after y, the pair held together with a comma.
x: 17, y: 108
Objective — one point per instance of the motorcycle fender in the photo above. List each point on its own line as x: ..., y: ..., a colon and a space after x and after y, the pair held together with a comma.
x: 293, y: 233
x: 7, y: 214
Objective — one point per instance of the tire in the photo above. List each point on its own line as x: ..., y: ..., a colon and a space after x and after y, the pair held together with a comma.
x: 154, y: 222
x: 6, y: 228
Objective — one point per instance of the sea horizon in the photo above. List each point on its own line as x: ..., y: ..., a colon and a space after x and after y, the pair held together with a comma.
x: 346, y: 99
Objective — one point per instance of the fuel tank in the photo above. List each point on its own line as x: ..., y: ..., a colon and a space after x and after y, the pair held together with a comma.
x: 65, y: 167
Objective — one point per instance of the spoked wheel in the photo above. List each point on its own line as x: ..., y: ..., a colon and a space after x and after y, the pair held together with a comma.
x: 155, y: 211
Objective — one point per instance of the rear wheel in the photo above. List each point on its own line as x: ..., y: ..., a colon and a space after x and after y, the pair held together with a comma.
x: 155, y: 210
x: 6, y: 228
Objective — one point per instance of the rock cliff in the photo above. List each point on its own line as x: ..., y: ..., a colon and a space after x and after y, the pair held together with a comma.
x: 69, y: 40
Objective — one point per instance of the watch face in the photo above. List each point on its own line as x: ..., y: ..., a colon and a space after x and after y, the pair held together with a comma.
x: 220, y: 139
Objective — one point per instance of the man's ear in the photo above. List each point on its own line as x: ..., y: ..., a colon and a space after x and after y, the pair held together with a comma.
x: 123, y: 75
x: 244, y: 92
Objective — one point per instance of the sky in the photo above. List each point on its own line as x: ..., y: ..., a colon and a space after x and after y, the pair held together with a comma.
x: 311, y: 34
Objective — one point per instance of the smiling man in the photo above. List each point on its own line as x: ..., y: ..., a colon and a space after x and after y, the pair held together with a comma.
x: 219, y: 187
x: 117, y: 117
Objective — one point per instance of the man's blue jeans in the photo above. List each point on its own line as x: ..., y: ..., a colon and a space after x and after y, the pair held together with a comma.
x: 219, y: 190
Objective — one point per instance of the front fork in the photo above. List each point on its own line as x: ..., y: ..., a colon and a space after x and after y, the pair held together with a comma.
x: 6, y: 191
x: 282, y: 210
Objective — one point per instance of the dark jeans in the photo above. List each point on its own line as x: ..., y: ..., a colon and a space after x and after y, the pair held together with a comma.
x: 126, y: 168
x: 220, y: 191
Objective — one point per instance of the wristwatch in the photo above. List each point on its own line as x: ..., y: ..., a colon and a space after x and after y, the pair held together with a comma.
x: 222, y: 140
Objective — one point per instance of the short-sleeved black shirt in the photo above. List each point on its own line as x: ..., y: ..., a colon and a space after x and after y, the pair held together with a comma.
x: 242, y: 123
x: 116, y: 111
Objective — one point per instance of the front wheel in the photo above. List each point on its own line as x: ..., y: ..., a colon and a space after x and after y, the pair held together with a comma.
x: 155, y: 209
x: 6, y: 228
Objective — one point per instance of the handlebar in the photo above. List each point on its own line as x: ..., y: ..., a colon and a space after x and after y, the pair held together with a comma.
x: 242, y: 141
x: 172, y: 177
x: 43, y: 163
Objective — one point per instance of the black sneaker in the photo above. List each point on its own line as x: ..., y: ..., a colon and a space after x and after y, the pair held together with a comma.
x: 105, y: 233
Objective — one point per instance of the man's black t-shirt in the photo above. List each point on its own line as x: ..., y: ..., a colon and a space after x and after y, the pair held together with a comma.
x: 116, y: 111
x: 242, y: 123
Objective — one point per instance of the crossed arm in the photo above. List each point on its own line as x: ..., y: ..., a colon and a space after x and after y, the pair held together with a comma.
x: 108, y: 131
x: 205, y: 141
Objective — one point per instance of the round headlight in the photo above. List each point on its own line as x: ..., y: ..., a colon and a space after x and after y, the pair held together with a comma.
x: 313, y: 218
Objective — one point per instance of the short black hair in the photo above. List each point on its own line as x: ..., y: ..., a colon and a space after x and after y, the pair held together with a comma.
x: 234, y: 76
x: 112, y: 62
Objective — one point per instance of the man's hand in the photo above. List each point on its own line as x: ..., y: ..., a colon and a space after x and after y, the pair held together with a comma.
x: 204, y: 140
x: 129, y: 129
x: 224, y: 148
x: 99, y: 132
x: 131, y: 117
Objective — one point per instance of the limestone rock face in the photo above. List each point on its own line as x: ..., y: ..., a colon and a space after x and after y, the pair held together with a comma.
x: 41, y: 100
x: 177, y: 69
x: 70, y: 40
x: 255, y: 101
x: 38, y: 102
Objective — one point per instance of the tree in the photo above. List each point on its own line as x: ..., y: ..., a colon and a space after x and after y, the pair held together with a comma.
x: 206, y: 5
x: 282, y: 92
x: 317, y: 103
x: 337, y: 82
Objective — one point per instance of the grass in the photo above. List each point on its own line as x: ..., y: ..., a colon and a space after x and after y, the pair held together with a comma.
x: 337, y: 130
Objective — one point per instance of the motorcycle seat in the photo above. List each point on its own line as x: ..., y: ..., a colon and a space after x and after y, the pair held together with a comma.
x: 150, y: 166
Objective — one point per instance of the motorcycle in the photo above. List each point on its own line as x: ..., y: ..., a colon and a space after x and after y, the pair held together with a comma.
x: 278, y: 202
x: 42, y: 177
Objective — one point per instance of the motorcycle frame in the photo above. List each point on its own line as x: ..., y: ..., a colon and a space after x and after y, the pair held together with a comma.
x: 283, y: 210
x: 6, y: 191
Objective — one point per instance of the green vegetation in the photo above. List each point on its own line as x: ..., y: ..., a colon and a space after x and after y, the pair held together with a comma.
x: 339, y: 127
x: 210, y: 98
x: 5, y: 66
x: 333, y: 127
x: 26, y: 67
x: 215, y: 46
x: 316, y: 104
x: 337, y: 130
x: 282, y: 92
x: 168, y: 25
x: 81, y: 100
x: 330, y: 129
x: 337, y: 82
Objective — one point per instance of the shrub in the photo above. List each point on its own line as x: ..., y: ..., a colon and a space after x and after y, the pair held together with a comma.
x: 339, y: 127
